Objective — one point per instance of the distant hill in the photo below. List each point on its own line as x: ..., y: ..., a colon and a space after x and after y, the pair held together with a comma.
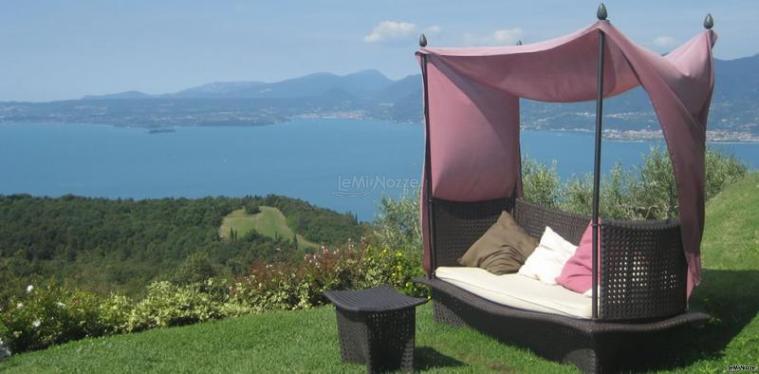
x: 217, y: 89
x: 121, y: 245
x: 119, y: 96
x: 318, y: 84
x: 268, y: 221
x: 370, y: 94
x: 737, y: 80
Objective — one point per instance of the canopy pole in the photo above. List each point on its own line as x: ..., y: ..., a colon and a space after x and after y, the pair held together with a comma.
x: 597, y: 161
x: 427, y: 166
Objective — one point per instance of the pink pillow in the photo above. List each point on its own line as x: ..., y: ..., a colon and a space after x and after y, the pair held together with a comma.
x: 577, y: 274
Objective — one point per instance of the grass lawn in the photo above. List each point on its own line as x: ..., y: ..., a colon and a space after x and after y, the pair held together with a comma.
x: 305, y: 341
x: 269, y: 222
x: 300, y: 341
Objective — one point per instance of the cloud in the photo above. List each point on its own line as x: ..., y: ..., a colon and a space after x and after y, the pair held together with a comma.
x: 390, y: 30
x: 665, y: 41
x: 498, y: 37
x: 507, y: 36
x: 434, y: 29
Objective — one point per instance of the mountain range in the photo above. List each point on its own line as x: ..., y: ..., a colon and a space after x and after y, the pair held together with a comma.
x: 370, y: 94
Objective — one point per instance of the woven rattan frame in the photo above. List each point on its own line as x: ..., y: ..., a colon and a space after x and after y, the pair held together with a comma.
x: 384, y: 341
x: 534, y: 219
x: 643, y: 268
x: 376, y: 327
x: 592, y: 346
x: 459, y: 224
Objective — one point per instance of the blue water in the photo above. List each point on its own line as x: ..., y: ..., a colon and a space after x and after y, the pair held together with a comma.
x: 345, y: 165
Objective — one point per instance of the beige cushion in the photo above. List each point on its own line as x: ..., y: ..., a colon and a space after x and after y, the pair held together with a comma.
x: 518, y: 291
x: 502, y: 249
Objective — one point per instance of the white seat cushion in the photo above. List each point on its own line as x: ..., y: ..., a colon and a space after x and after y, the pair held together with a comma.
x: 518, y: 291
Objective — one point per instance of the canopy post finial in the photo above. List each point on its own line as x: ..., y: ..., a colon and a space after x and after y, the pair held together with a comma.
x: 708, y: 21
x: 601, y: 13
x: 422, y: 41
x: 519, y: 42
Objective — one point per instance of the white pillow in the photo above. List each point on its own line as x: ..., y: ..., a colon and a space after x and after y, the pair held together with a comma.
x: 546, y: 262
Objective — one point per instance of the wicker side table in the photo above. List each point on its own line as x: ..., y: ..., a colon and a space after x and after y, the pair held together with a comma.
x: 376, y: 327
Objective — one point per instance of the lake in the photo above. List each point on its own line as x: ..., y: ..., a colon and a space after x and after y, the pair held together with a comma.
x: 345, y: 165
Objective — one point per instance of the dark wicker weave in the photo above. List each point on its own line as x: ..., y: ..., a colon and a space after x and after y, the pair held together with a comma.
x: 534, y: 219
x: 641, y: 281
x: 458, y: 225
x: 643, y: 270
x: 376, y: 327
x: 643, y: 267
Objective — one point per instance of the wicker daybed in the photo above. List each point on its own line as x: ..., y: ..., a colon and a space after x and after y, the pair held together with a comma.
x: 636, y: 313
x: 643, y: 272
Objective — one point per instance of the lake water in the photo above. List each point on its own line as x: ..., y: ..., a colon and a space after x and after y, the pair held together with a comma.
x: 345, y: 165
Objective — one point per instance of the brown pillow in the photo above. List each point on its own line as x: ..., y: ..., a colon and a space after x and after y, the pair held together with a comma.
x: 502, y: 249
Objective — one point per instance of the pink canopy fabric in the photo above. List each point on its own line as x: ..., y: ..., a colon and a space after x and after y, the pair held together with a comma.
x: 473, y: 96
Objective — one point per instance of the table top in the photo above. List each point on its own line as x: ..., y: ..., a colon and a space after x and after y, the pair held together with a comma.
x: 378, y: 299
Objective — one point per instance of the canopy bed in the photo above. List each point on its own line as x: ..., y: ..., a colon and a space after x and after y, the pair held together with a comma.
x: 643, y: 272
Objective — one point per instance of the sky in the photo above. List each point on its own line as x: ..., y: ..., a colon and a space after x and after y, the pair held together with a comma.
x: 54, y: 50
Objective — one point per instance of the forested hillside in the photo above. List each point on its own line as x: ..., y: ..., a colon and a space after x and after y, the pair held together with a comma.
x: 120, y: 245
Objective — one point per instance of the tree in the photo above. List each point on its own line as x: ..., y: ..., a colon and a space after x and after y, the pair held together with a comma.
x: 196, y: 268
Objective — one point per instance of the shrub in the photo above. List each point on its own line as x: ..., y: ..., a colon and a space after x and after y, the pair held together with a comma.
x: 114, y: 313
x: 540, y: 183
x: 49, y: 315
x: 651, y: 194
x: 722, y: 169
x: 656, y: 191
x: 167, y: 304
x: 578, y: 195
x: 397, y: 224
x: 251, y: 207
x: 52, y: 314
x: 284, y: 286
x: 4, y: 349
x: 196, y: 268
x: 648, y: 192
x: 396, y: 268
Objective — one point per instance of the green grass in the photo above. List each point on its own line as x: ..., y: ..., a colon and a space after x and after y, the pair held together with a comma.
x: 269, y: 222
x: 731, y: 234
x: 306, y: 341
x: 300, y: 341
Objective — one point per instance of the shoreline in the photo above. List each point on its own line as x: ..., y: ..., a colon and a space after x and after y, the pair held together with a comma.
x: 712, y: 136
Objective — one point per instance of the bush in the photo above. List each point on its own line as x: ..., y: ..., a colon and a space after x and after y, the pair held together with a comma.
x: 286, y: 287
x: 651, y: 194
x: 49, y: 315
x: 397, y: 224
x: 196, y: 268
x: 656, y: 191
x: 578, y: 195
x: 167, y: 304
x: 721, y: 170
x: 114, y: 314
x: 4, y: 349
x: 251, y: 207
x: 540, y: 183
x: 52, y: 314
x: 396, y: 268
